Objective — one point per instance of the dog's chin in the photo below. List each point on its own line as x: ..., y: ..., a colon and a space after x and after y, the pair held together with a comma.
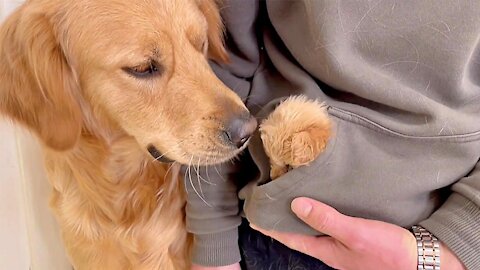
x: 158, y: 156
x: 203, y: 159
x: 218, y: 158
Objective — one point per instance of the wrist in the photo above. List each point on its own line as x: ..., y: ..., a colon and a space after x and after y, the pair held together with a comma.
x: 450, y: 261
x: 216, y: 249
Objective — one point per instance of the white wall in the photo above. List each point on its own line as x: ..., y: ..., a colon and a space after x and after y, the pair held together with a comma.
x: 14, y: 253
x: 29, y: 237
x: 45, y: 246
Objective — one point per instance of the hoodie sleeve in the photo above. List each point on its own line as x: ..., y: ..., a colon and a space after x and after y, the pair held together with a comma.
x: 213, y: 214
x: 457, y: 222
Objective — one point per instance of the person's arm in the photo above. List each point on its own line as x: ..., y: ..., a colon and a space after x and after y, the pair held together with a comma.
x: 212, y: 214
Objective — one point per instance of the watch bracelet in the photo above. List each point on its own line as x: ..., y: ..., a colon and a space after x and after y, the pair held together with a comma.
x: 428, y: 249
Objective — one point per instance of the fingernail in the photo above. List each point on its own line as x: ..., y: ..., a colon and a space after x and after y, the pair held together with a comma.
x: 301, y: 207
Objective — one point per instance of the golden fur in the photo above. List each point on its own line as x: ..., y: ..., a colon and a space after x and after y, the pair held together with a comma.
x: 294, y: 134
x: 63, y: 76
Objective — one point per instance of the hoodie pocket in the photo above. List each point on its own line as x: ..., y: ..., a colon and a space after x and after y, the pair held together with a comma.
x: 290, y: 180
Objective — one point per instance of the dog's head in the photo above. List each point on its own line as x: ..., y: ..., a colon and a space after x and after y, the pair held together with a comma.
x: 141, y: 67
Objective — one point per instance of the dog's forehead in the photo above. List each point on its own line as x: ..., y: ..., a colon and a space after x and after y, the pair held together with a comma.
x: 154, y: 14
x: 135, y: 27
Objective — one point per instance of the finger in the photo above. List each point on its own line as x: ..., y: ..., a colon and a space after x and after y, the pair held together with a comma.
x: 324, y: 248
x: 325, y: 219
x: 298, y: 242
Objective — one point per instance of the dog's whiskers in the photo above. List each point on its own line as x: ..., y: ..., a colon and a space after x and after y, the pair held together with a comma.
x: 206, y: 172
x: 191, y: 182
x: 199, y: 176
x: 161, y: 190
x: 168, y: 170
x: 206, y: 167
x: 218, y: 173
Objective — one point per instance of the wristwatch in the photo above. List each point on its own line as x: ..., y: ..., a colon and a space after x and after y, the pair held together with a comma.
x: 428, y: 248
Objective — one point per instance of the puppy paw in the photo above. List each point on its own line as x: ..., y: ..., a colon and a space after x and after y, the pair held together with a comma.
x: 295, y: 133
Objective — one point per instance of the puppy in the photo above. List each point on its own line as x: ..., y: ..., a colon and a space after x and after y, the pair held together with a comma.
x: 294, y: 134
x: 110, y: 88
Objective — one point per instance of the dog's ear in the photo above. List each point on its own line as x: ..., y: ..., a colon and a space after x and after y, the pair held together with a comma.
x: 216, y: 47
x: 37, y: 85
x: 308, y: 144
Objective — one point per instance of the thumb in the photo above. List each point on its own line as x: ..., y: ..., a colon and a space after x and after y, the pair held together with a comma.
x: 324, y: 218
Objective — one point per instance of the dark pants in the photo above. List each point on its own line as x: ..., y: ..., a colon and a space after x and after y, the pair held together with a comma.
x: 260, y: 252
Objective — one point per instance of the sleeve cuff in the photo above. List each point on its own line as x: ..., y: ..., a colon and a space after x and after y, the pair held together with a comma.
x: 217, y: 249
x: 457, y: 224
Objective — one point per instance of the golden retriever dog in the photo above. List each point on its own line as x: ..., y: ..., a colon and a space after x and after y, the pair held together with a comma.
x: 110, y: 88
x: 294, y: 134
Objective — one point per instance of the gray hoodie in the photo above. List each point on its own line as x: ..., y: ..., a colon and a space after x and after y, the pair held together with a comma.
x: 402, y: 81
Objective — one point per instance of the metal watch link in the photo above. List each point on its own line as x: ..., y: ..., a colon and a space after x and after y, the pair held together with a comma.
x: 428, y: 248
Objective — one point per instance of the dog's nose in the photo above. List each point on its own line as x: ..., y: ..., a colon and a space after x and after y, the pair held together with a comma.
x: 240, y: 129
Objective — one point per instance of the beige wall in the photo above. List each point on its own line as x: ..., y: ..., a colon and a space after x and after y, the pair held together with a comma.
x: 29, y: 237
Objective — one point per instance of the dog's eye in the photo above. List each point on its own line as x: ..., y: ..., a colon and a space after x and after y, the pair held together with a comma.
x: 148, y: 69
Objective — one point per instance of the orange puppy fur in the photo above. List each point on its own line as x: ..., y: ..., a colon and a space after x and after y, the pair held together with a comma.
x: 294, y: 134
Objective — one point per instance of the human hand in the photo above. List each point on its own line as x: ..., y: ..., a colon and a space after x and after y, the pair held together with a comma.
x: 235, y: 266
x: 354, y: 243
